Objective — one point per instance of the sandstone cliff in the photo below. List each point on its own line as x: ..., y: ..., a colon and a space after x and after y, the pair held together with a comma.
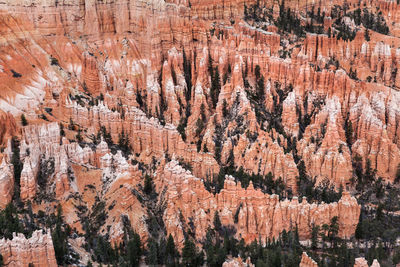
x: 118, y: 90
x: 306, y: 261
x: 258, y: 214
x: 20, y: 251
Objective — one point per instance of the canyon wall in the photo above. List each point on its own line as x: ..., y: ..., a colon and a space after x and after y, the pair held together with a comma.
x: 20, y: 251
x: 253, y: 213
x: 116, y: 91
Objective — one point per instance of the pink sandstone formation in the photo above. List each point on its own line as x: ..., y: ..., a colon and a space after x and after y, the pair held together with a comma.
x: 20, y: 251
x: 306, y: 261
x: 361, y: 262
x: 260, y: 215
x: 82, y: 70
x: 237, y: 262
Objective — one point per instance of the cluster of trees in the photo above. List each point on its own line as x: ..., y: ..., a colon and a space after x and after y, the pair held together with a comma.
x: 215, y: 88
x: 257, y: 13
x: 163, y: 252
x: 372, y: 21
x: 22, y: 220
x: 267, y: 183
x: 18, y: 165
x: 379, y: 224
x: 287, y: 22
x: 187, y: 70
x: 128, y: 253
x: 46, y: 170
x: 60, y: 235
x: 124, y: 143
x: 9, y: 222
x: 200, y: 125
x: 344, y: 31
x: 325, y: 191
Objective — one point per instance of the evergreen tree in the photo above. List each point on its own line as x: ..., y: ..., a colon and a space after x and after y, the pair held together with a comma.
x: 59, y: 237
x: 257, y: 72
x: 215, y: 87
x: 217, y: 222
x: 124, y: 143
x: 148, y: 184
x: 152, y: 255
x: 9, y: 222
x: 260, y: 88
x: 62, y: 132
x: 79, y: 136
x: 348, y: 128
x: 17, y: 164
x: 188, y: 253
x: 366, y: 35
x: 314, y: 237
x: 171, y: 252
x: 333, y: 230
x: 23, y: 120
x: 134, y: 250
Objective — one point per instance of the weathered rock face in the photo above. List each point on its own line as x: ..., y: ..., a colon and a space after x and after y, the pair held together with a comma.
x: 126, y: 69
x: 237, y: 262
x: 257, y: 214
x: 8, y: 127
x: 361, y: 262
x: 54, y: 166
x: 20, y: 251
x: 306, y: 261
x: 146, y: 71
x: 6, y: 183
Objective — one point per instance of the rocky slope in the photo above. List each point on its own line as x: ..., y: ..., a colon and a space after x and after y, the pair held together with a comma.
x: 306, y: 261
x: 37, y: 250
x: 98, y: 96
x: 254, y: 214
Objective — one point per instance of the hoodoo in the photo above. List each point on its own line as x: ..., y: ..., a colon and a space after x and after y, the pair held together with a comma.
x: 199, y: 133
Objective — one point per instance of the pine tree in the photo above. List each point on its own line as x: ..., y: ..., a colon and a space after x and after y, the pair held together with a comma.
x: 152, y: 256
x: 60, y: 239
x: 189, y: 257
x: 260, y: 88
x: 366, y: 35
x: 333, y: 230
x: 134, y: 250
x: 148, y: 185
x: 257, y: 72
x: 314, y: 237
x: 62, y: 132
x: 215, y: 87
x: 23, y: 120
x: 348, y: 128
x: 217, y: 221
x: 79, y: 136
x: 17, y: 164
x: 170, y: 252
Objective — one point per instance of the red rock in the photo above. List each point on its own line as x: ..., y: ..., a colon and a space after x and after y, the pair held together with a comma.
x: 361, y: 262
x: 20, y: 251
x: 306, y: 261
x: 260, y: 215
x: 237, y: 262
x: 6, y: 183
